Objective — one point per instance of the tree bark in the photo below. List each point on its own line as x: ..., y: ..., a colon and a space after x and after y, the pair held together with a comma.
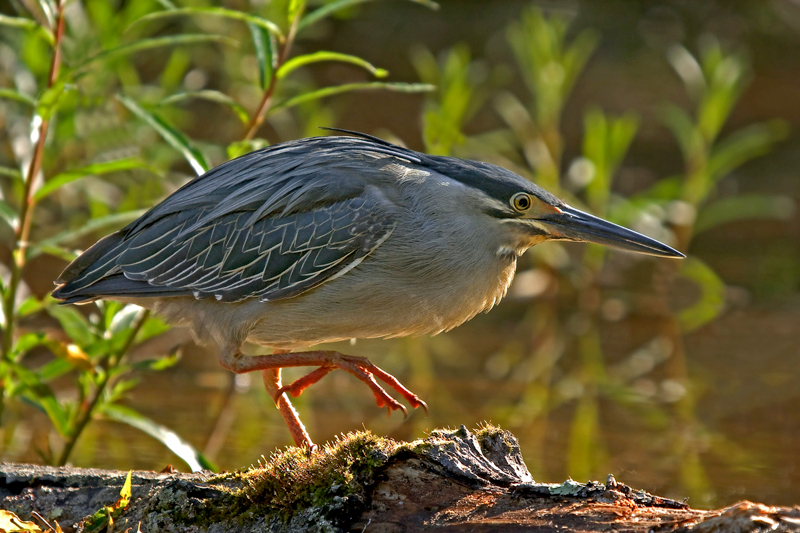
x: 458, y: 480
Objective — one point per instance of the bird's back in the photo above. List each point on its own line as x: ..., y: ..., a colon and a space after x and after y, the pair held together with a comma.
x: 270, y: 224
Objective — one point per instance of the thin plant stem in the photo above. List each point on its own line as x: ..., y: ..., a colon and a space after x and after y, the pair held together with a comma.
x: 266, y: 101
x: 22, y: 231
x: 223, y: 423
x: 87, y: 411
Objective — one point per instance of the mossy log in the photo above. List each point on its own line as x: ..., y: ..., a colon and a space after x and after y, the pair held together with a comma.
x: 454, y: 479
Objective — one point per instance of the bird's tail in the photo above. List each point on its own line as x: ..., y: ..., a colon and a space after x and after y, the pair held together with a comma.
x: 77, y: 283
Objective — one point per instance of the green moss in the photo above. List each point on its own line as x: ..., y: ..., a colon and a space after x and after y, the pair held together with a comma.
x: 487, y: 429
x: 489, y: 432
x: 328, y: 485
x: 296, y: 479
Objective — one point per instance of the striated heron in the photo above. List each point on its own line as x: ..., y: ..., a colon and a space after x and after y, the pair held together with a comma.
x: 326, y: 239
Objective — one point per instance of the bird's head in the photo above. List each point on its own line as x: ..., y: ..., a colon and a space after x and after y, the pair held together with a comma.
x: 540, y: 217
x: 526, y: 213
x: 530, y: 215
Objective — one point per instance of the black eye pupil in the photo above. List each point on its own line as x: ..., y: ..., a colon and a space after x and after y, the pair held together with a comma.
x: 522, y: 202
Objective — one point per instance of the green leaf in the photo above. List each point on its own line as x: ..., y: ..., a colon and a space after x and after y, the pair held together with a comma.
x: 18, y: 22
x: 162, y: 363
x: 175, y: 69
x: 427, y: 66
x: 212, y: 96
x: 576, y: 56
x: 606, y: 141
x: 121, y: 388
x: 74, y: 323
x: 328, y: 9
x: 48, y: 101
x: 54, y: 369
x: 27, y: 25
x: 26, y: 343
x: 41, y: 396
x: 109, y: 309
x: 743, y: 145
x: 152, y: 327
x: 316, y: 57
x: 12, y: 173
x: 338, y: 89
x: 689, y: 70
x: 725, y: 77
x: 103, y: 519
x: 744, y: 207
x: 49, y: 9
x: 10, y: 94
x: 689, y: 139
x: 148, y: 44
x: 216, y: 12
x: 55, y: 251
x: 122, y: 320
x: 125, y: 493
x: 265, y: 55
x: 622, y: 130
x: 31, y: 305
x: 9, y: 215
x: 296, y: 7
x: 595, y: 134
x: 549, y: 62
x: 97, y: 522
x: 239, y: 148
x: 90, y: 170
x: 174, y: 138
x: 166, y: 436
x: 712, y: 295
x: 668, y: 188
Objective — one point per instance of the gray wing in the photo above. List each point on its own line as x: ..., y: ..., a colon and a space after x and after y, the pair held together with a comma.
x: 231, y: 259
x: 273, y: 258
x: 266, y: 227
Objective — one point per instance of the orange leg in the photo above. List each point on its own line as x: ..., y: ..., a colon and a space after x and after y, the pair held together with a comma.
x: 272, y: 382
x: 360, y: 367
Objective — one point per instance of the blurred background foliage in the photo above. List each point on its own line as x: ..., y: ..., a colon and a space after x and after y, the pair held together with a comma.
x: 672, y: 118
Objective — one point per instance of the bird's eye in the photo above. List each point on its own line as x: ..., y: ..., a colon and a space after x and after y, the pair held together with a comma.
x: 521, y: 201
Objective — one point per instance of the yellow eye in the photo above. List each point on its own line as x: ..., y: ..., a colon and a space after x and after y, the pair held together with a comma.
x: 521, y: 201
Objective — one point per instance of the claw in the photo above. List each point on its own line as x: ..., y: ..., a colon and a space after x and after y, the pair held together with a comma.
x: 423, y: 405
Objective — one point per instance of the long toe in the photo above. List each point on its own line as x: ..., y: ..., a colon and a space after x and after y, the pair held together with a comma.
x: 368, y: 367
x: 297, y: 387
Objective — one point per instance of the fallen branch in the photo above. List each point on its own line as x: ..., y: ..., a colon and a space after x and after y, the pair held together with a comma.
x: 454, y: 479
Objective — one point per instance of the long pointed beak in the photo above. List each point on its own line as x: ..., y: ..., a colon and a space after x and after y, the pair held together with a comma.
x: 575, y: 225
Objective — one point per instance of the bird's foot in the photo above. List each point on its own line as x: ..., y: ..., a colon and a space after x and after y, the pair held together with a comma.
x: 297, y: 387
x: 360, y: 367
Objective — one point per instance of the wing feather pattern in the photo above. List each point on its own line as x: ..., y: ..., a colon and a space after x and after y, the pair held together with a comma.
x: 271, y: 224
